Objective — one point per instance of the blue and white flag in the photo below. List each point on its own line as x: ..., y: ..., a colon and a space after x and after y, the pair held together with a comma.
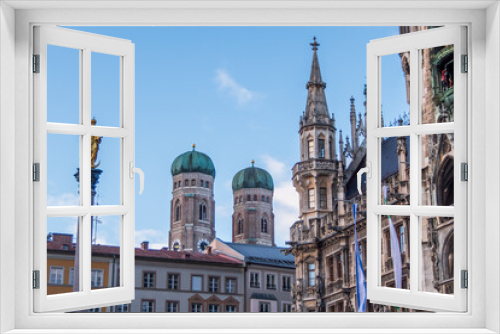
x: 360, y: 274
x: 395, y: 250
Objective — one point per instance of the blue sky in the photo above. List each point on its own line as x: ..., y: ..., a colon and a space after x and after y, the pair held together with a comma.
x: 236, y: 92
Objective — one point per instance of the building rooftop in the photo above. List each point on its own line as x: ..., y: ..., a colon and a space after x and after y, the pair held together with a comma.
x: 146, y: 254
x: 265, y: 255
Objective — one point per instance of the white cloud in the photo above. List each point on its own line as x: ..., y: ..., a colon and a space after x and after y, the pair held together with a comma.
x: 67, y: 199
x: 286, y: 204
x: 277, y: 168
x: 226, y: 83
x: 157, y: 238
x: 286, y: 199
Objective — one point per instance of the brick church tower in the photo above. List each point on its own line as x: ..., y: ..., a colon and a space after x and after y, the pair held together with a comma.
x: 253, y: 217
x: 192, y: 218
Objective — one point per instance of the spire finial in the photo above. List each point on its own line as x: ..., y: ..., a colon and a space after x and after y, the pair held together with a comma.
x: 193, y: 146
x: 314, y: 44
x: 253, y: 162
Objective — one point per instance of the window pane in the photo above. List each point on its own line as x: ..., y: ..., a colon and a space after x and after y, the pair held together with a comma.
x: 437, y: 170
x: 395, y: 270
x: 437, y: 249
x: 106, y: 171
x: 61, y: 248
x: 63, y: 163
x: 395, y: 90
x: 106, y: 89
x: 106, y: 234
x: 437, y: 84
x: 63, y: 85
x: 395, y: 170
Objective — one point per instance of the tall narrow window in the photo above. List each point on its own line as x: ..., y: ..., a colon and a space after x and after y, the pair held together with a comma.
x: 287, y: 283
x: 97, y: 278
x: 178, y: 211
x: 148, y: 306
x: 311, y: 274
x: 338, y: 261
x: 186, y: 183
x: 254, y: 280
x: 213, y: 284
x: 312, y: 198
x: 322, y: 198
x: 321, y: 146
x: 230, y: 285
x: 401, y: 232
x: 201, y: 183
x: 240, y: 226
x: 172, y: 306
x: 330, y: 148
x: 203, y: 212
x: 148, y: 280
x: 263, y: 228
x: 310, y: 150
x: 271, y: 281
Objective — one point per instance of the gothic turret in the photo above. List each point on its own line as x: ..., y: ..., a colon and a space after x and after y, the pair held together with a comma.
x: 315, y: 174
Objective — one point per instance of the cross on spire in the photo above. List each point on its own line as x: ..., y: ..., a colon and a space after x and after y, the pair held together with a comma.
x: 314, y: 44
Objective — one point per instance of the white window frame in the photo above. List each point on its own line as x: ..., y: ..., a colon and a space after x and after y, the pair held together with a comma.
x: 15, y: 122
x: 85, y: 43
x: 415, y: 297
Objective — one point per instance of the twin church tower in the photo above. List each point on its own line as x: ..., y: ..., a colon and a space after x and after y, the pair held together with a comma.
x: 192, y: 217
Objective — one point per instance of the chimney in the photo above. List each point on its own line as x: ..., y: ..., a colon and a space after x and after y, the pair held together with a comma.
x: 62, y: 238
x: 209, y: 250
x: 145, y: 245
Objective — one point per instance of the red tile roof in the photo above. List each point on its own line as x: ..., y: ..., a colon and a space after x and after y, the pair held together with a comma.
x: 150, y: 254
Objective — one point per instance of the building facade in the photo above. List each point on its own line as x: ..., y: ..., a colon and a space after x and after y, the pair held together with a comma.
x: 186, y: 281
x: 322, y: 240
x: 269, y: 274
x: 192, y: 209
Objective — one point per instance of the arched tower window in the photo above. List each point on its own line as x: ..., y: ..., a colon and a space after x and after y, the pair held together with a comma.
x: 311, y: 273
x: 255, y: 197
x: 267, y: 199
x: 177, y: 211
x: 263, y: 226
x: 186, y: 183
x: 203, y: 211
x: 240, y: 226
x: 193, y: 183
x: 321, y: 147
x: 310, y: 149
x: 206, y: 184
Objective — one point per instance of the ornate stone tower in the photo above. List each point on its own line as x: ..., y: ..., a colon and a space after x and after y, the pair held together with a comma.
x: 192, y: 218
x: 314, y: 177
x: 253, y: 218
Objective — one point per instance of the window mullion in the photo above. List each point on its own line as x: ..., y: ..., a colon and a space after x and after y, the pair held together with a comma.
x: 415, y: 176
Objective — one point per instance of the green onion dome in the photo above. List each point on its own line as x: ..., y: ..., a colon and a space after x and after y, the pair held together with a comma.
x: 253, y: 177
x: 193, y: 162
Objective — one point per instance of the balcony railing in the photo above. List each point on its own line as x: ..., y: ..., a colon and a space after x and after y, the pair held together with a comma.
x: 313, y: 164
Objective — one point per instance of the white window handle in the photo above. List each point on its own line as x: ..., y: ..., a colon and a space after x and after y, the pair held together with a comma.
x: 134, y: 170
x: 368, y: 172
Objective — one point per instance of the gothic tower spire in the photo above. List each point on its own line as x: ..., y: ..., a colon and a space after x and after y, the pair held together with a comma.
x: 316, y: 108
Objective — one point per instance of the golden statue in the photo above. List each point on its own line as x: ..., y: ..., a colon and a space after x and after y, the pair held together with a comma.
x: 94, y: 145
